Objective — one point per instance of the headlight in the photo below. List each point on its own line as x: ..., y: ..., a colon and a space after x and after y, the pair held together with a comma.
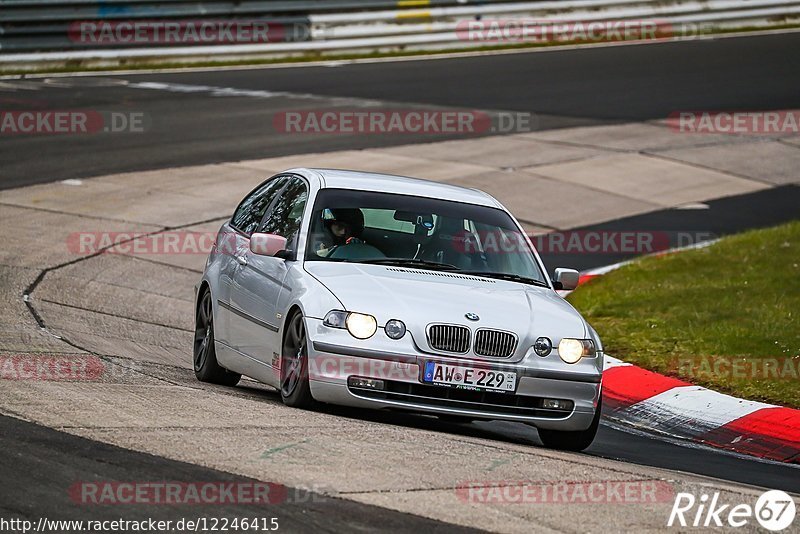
x: 335, y: 319
x: 572, y: 350
x: 395, y: 328
x: 360, y: 325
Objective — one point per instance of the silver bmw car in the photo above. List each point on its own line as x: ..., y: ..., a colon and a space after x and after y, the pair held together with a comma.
x: 386, y: 292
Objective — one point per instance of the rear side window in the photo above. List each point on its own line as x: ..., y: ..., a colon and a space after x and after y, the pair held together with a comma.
x: 248, y: 215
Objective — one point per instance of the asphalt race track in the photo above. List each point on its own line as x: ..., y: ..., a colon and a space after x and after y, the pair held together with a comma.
x: 32, y: 448
x: 722, y: 217
x: 198, y: 118
x: 562, y: 88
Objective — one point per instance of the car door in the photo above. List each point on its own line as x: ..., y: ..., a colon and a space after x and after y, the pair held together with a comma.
x: 233, y: 243
x: 258, y: 284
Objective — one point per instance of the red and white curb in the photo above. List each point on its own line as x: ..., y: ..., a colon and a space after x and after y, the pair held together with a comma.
x: 656, y: 403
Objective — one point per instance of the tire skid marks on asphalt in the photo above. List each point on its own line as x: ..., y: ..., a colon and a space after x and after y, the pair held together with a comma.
x: 211, y: 90
x: 216, y: 91
x: 19, y: 85
x: 14, y: 85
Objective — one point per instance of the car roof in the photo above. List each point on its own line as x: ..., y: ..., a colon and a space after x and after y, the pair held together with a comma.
x: 401, y: 185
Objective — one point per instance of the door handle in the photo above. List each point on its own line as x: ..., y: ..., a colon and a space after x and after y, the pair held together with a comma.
x: 242, y: 260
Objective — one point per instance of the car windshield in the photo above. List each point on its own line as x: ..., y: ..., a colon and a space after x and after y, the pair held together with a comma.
x: 428, y: 233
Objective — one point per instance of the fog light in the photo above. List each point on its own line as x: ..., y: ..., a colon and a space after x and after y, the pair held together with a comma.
x: 556, y: 404
x: 365, y: 383
x: 395, y: 329
x: 543, y: 346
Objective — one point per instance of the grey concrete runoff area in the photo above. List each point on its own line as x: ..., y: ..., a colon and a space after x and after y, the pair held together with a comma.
x: 130, y: 312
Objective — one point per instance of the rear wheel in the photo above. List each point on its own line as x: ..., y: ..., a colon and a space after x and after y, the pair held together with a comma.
x: 572, y: 441
x: 295, y: 390
x: 206, y: 368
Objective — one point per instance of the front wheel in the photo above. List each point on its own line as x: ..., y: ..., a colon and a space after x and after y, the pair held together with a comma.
x: 569, y: 440
x: 206, y: 367
x: 295, y: 389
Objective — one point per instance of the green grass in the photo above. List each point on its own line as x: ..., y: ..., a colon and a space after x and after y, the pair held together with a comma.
x: 726, y: 317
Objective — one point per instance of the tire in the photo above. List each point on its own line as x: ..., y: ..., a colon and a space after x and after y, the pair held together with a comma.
x: 295, y: 389
x: 572, y: 441
x: 206, y: 367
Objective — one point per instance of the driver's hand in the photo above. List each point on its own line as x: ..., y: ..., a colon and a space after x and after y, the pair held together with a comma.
x: 323, y: 250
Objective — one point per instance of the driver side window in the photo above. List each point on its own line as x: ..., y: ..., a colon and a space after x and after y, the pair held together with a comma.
x: 287, y: 213
x: 250, y: 212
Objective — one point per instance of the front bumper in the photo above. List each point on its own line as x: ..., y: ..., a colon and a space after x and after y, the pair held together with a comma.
x: 334, y: 356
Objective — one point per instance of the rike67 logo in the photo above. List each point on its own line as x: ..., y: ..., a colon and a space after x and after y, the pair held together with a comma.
x: 774, y: 510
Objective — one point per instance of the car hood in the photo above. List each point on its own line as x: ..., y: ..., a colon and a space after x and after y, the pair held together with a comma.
x: 420, y: 297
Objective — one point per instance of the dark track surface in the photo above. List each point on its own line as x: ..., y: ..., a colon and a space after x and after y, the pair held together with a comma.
x: 619, y: 445
x: 724, y: 216
x: 40, y: 464
x: 563, y: 88
x: 631, y: 83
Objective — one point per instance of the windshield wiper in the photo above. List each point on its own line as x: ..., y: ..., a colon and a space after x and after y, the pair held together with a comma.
x: 411, y: 262
x: 510, y: 277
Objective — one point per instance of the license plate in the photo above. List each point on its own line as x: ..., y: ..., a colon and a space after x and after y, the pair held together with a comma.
x: 444, y: 374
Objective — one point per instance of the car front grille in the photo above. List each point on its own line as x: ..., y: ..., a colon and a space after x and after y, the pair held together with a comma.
x: 449, y: 338
x: 495, y: 343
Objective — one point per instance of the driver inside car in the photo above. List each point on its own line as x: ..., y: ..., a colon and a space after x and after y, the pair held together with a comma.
x: 343, y: 227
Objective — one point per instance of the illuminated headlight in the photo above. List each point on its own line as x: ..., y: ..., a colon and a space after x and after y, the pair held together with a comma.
x: 572, y: 350
x: 395, y: 329
x: 360, y: 325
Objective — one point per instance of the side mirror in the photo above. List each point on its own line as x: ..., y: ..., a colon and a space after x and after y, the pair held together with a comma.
x: 566, y: 278
x: 267, y: 244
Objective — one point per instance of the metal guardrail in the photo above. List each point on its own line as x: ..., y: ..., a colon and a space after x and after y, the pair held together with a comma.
x: 31, y: 11
x: 36, y: 31
x: 42, y: 25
